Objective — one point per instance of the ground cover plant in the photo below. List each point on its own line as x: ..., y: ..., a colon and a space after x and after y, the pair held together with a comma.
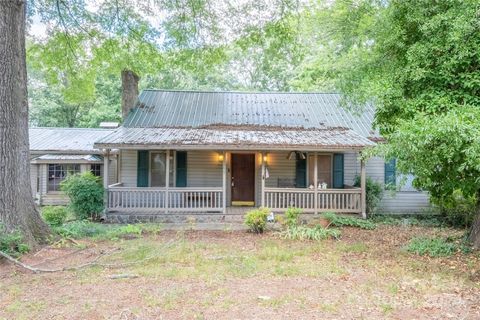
x: 234, y: 274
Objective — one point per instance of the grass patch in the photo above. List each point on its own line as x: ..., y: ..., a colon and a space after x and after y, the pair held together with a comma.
x: 433, y: 247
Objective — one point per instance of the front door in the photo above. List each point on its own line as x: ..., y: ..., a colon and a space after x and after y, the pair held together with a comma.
x: 243, y: 179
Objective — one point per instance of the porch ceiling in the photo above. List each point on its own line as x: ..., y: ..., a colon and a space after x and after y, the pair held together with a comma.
x: 235, y: 138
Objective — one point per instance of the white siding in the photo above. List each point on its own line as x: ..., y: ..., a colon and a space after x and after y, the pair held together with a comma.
x: 403, y: 201
x: 279, y: 167
x: 128, y: 168
x: 204, y: 169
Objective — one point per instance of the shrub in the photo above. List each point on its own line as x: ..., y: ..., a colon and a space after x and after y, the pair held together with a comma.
x: 12, y: 243
x: 86, y: 195
x: 374, y: 194
x: 291, y: 216
x: 433, y: 247
x: 458, y: 210
x: 256, y: 219
x: 54, y: 215
x: 340, y: 221
x: 306, y: 233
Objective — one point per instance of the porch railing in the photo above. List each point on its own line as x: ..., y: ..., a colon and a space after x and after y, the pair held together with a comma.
x: 336, y: 200
x: 124, y: 199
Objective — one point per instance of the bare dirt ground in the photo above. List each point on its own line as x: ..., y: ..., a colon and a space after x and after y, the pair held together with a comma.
x: 235, y: 275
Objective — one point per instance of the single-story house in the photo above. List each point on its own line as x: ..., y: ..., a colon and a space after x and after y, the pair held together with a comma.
x: 183, y: 152
x: 57, y: 152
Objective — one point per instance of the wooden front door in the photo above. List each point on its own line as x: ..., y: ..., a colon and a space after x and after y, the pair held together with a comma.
x: 243, y: 179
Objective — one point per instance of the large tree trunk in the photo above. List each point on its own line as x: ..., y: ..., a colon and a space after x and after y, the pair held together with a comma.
x: 129, y: 91
x: 474, y: 236
x: 17, y: 209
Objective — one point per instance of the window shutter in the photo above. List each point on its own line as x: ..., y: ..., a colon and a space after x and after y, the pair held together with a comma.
x: 142, y: 168
x: 181, y: 180
x: 390, y: 172
x: 338, y: 170
x: 301, y: 173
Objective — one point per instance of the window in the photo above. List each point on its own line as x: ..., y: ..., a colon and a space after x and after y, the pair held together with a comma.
x: 96, y: 169
x: 58, y: 172
x: 390, y: 174
x: 157, y: 169
x: 324, y: 169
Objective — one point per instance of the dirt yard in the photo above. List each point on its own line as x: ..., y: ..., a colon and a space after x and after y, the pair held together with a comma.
x: 235, y: 275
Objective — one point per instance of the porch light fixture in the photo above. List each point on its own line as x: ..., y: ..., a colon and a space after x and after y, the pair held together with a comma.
x: 221, y: 157
x: 265, y: 158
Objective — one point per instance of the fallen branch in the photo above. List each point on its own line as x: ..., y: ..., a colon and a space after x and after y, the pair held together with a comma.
x: 92, y: 263
x: 41, y: 270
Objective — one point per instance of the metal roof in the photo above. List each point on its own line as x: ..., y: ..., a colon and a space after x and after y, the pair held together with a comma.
x: 68, y: 158
x: 74, y: 140
x: 161, y: 108
x: 227, y: 138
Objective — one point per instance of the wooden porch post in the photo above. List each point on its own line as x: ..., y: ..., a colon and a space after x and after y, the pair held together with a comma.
x: 224, y: 183
x: 106, y: 168
x: 315, y: 182
x: 363, y: 185
x: 262, y: 191
x: 167, y: 179
x: 106, y: 157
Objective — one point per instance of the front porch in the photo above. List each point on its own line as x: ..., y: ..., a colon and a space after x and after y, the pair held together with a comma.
x: 208, y: 185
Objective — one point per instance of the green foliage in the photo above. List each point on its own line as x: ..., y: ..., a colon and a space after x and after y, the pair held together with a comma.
x: 341, y: 221
x: 86, y: 195
x: 12, y: 243
x: 307, y: 233
x: 291, y: 216
x: 256, y: 219
x: 54, y: 215
x: 457, y: 210
x: 88, y: 229
x: 433, y: 247
x: 374, y: 193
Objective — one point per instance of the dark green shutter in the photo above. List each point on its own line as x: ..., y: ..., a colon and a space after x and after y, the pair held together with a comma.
x: 338, y: 170
x: 142, y: 168
x: 181, y: 169
x: 390, y: 172
x: 301, y: 173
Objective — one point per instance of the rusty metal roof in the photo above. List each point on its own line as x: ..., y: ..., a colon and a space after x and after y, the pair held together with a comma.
x: 161, y: 108
x: 46, y: 158
x: 224, y: 138
x: 71, y: 140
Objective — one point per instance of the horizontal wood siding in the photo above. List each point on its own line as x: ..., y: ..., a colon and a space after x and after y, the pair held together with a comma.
x: 204, y: 169
x: 128, y: 171
x: 397, y: 202
x: 279, y: 167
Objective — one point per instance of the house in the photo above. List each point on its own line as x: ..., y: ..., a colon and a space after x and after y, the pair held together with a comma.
x: 185, y: 152
x: 57, y: 152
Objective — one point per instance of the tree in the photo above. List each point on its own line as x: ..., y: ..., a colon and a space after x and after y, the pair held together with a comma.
x: 419, y: 62
x: 17, y: 209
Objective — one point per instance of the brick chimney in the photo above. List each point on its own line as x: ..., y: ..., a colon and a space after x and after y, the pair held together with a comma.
x: 129, y: 91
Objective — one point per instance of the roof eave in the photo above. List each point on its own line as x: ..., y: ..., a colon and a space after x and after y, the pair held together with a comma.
x: 232, y: 147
